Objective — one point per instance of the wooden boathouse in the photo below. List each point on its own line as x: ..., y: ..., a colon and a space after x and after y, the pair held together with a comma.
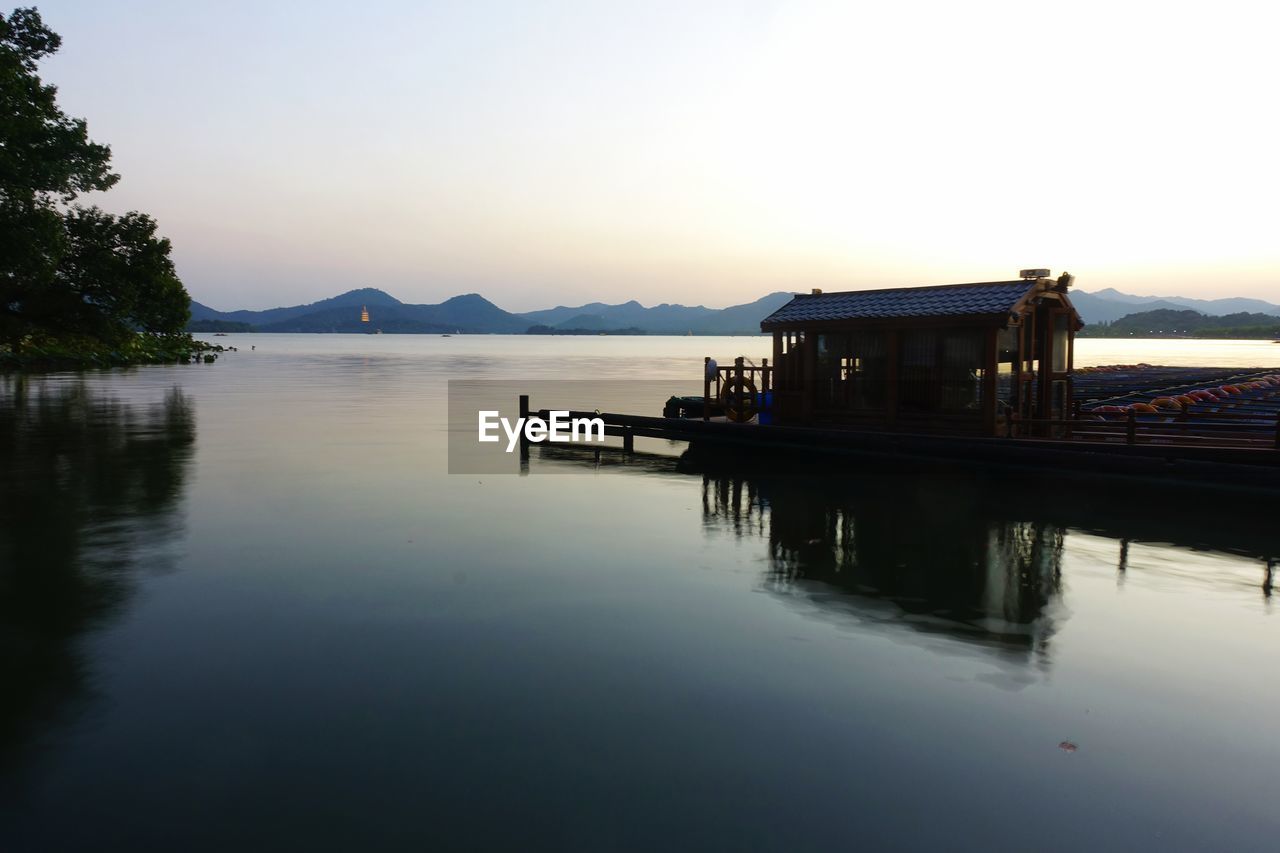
x: 953, y: 358
x: 977, y: 374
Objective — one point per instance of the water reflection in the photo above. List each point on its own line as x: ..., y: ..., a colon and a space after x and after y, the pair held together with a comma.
x: 881, y: 550
x: 964, y: 556
x: 91, y: 490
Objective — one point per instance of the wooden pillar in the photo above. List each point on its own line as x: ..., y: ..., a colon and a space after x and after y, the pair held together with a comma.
x: 1017, y: 388
x: 991, y: 366
x: 1044, y: 379
x: 891, y: 392
x: 777, y: 360
x: 1071, y: 366
x: 794, y: 360
x: 810, y: 373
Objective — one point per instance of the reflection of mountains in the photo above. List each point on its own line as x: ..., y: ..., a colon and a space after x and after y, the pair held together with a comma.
x: 91, y: 486
x: 967, y: 557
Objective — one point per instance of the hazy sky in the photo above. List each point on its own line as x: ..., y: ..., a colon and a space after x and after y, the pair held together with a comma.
x: 696, y: 152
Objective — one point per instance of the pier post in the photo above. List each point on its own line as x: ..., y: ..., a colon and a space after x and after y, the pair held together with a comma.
x: 628, y: 442
x: 737, y: 373
x: 524, y: 442
x: 1277, y: 430
x: 1131, y: 428
x: 706, y: 387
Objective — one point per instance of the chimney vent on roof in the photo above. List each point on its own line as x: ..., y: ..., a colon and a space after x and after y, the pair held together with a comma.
x: 817, y: 291
x: 1030, y: 274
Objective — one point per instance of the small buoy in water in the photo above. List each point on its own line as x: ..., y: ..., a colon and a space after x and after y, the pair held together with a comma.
x: 1067, y: 746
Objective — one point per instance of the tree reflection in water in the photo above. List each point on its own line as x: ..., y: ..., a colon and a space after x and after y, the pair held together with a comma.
x: 91, y: 490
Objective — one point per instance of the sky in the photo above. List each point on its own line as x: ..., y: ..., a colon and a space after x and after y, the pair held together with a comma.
x: 545, y: 153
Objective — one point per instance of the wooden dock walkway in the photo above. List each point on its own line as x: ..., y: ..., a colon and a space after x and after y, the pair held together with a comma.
x: 1230, y: 438
x: 1226, y: 466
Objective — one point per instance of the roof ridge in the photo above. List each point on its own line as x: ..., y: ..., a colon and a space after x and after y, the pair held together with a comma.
x: 1021, y: 281
x: 980, y: 298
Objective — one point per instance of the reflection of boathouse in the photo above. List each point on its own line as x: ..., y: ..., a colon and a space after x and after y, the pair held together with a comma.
x: 953, y: 571
x: 938, y: 553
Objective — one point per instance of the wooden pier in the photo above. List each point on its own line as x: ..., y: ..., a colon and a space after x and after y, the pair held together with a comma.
x: 1229, y: 441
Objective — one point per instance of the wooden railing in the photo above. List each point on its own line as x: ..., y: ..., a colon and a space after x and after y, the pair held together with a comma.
x: 714, y: 381
x: 1223, y: 429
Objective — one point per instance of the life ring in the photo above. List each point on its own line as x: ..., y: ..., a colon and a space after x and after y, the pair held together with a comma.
x: 738, y: 395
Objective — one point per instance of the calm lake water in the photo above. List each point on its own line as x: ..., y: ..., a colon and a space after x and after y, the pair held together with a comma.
x: 243, y: 607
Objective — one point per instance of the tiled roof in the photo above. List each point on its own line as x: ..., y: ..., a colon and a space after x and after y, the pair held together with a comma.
x: 950, y: 300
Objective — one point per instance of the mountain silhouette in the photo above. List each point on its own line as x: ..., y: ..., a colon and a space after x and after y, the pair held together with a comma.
x: 1108, y: 305
x: 474, y: 314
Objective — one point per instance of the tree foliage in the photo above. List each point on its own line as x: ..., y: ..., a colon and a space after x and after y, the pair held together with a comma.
x: 1167, y: 322
x: 68, y: 269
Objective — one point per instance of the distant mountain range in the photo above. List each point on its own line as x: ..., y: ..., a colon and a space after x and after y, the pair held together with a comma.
x: 1108, y: 305
x: 472, y: 313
